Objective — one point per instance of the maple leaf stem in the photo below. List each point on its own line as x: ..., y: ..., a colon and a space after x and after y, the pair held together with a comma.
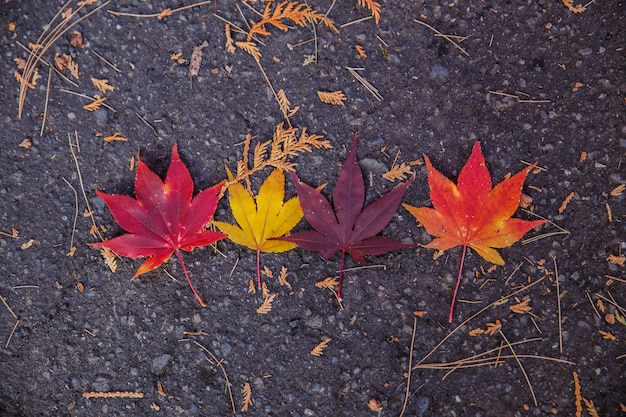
x: 343, y: 257
x: 180, y: 258
x: 458, y: 283
x: 258, y: 267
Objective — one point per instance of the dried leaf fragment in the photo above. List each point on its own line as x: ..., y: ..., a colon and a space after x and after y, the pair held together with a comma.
x: 318, y: 350
x: 26, y: 143
x: 20, y: 62
x: 618, y: 190
x: 619, y: 260
x: 117, y: 136
x: 27, y: 244
x: 375, y: 405
x: 607, y: 335
x: 336, y: 98
x: 196, y: 60
x: 164, y: 13
x: 102, y: 85
x: 178, y: 57
x: 247, y: 397
x: 565, y: 202
x: 76, y: 39
x: 361, y: 51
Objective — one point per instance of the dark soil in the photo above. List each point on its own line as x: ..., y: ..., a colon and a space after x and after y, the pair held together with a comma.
x: 122, y: 335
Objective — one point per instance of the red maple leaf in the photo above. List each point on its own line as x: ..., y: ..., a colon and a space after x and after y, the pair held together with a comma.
x: 164, y: 218
x: 471, y: 213
x: 348, y: 227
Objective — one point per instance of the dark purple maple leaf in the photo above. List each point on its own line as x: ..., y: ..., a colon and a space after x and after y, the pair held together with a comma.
x: 348, y: 227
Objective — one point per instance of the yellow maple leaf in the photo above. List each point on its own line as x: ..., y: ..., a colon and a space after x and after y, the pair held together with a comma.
x: 261, y: 220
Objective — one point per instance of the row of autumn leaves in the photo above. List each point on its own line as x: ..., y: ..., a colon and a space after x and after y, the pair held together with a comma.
x: 166, y: 218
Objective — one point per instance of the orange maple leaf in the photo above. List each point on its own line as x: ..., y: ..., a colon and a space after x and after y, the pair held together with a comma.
x: 471, y: 213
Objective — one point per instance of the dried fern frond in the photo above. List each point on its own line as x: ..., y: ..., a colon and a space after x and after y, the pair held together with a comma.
x: 336, y: 98
x: 109, y: 258
x: 267, y: 272
x: 285, y: 105
x: 116, y: 394
x: 102, y: 85
x: 522, y: 307
x: 275, y: 152
x: 329, y: 283
x: 318, y: 350
x: 398, y: 172
x: 95, y: 104
x: 115, y: 137
x: 374, y: 6
x: 28, y: 84
x: 579, y: 8
x: 247, y: 397
x: 265, y: 291
x: 164, y: 13
x: 230, y: 44
x: 591, y: 408
x: 282, y: 277
x: 251, y: 48
x: 298, y: 13
x: 266, y: 307
x: 578, y: 397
